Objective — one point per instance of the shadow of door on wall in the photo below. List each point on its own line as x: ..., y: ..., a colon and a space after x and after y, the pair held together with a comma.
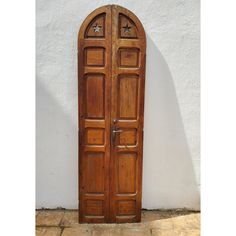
x: 169, y: 179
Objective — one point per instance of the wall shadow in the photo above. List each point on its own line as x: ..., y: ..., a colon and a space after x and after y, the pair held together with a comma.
x: 169, y: 179
x: 56, y: 153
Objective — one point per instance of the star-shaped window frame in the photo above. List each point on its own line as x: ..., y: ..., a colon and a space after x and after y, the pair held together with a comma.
x: 127, y: 28
x: 97, y: 28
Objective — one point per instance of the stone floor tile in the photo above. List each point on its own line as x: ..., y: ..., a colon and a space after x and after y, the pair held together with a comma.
x: 193, y: 233
x: 77, y: 231
x: 166, y: 224
x: 135, y: 232
x: 48, y: 231
x: 193, y: 221
x: 69, y: 219
x: 49, y: 218
x: 180, y: 222
x: 186, y: 222
x: 106, y: 231
x: 154, y: 215
x: 189, y: 233
x: 157, y: 232
x: 133, y: 225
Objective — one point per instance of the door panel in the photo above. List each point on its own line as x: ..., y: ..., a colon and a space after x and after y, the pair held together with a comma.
x: 127, y: 99
x: 128, y: 57
x: 97, y: 26
x: 111, y: 70
x: 94, y: 67
x: 95, y: 96
x: 94, y: 136
x: 94, y: 56
x: 127, y: 137
x: 126, y: 173
x: 94, y: 170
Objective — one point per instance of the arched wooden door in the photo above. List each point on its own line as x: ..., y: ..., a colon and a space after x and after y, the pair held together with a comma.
x: 111, y: 65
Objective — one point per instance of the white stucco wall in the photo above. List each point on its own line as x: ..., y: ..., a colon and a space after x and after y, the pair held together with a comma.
x: 171, y: 140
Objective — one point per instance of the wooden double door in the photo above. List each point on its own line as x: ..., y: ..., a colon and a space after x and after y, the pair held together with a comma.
x: 111, y: 62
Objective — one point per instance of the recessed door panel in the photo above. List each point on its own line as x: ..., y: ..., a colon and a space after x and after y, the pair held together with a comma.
x: 126, y: 208
x: 126, y: 173
x: 94, y: 56
x: 111, y: 71
x: 97, y: 27
x: 128, y: 137
x: 128, y: 57
x: 127, y: 96
x: 94, y: 208
x: 94, y: 172
x: 127, y: 28
x: 95, y: 95
x: 95, y: 136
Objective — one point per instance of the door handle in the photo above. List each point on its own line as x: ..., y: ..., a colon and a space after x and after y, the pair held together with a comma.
x: 114, y: 131
x: 117, y: 131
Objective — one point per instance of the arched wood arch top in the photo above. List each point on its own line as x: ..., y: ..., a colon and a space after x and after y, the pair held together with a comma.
x: 97, y: 24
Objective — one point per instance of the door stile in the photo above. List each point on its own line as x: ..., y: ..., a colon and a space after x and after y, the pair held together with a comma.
x: 113, y: 112
x: 108, y: 128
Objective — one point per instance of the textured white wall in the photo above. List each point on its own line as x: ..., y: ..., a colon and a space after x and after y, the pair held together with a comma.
x: 171, y: 146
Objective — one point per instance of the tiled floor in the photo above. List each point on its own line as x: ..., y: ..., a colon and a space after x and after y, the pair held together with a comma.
x: 157, y: 223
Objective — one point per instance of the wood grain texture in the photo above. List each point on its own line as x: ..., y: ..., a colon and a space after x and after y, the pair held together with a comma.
x: 111, y: 78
